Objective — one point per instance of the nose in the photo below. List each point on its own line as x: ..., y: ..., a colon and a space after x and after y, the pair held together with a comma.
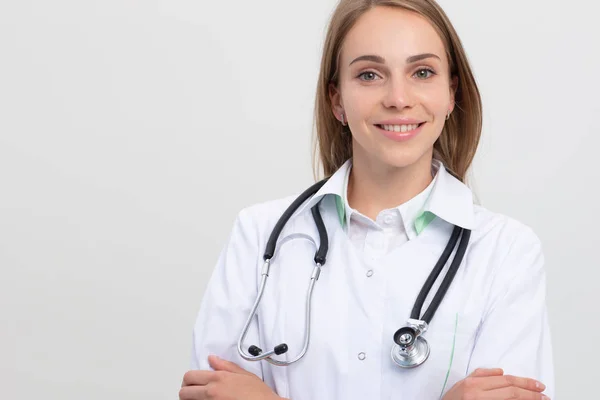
x: 398, y: 94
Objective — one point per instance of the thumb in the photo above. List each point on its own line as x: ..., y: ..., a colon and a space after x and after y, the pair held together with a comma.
x: 218, y: 364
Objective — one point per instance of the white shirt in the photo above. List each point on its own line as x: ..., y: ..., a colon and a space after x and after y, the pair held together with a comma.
x: 392, y: 228
x: 493, y: 315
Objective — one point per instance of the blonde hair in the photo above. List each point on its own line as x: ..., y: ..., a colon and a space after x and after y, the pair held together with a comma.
x: 459, y: 139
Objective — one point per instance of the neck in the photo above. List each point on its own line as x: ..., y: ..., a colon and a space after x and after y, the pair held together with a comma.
x: 374, y: 186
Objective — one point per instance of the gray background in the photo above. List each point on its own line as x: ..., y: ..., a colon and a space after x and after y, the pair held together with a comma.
x: 132, y: 132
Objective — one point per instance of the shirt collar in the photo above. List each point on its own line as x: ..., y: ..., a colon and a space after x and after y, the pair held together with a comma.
x: 446, y: 197
x: 413, y: 216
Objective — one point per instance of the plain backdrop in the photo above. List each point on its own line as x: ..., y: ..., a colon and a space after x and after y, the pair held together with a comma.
x: 132, y: 132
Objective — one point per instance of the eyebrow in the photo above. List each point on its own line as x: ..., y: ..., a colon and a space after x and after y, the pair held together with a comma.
x: 381, y: 60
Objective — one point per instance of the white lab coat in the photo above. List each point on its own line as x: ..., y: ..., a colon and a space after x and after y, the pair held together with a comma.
x: 493, y: 315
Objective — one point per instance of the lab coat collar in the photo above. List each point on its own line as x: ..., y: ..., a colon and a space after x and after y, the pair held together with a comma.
x: 334, y: 186
x: 450, y: 199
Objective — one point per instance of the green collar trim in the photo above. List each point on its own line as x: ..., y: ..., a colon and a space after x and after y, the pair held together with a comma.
x: 341, y: 210
x: 424, y: 218
x: 421, y: 222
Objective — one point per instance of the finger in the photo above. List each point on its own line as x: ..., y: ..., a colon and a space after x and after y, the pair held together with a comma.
x: 481, y: 372
x: 218, y: 364
x: 195, y: 377
x: 497, y: 382
x: 515, y: 393
x: 193, y: 393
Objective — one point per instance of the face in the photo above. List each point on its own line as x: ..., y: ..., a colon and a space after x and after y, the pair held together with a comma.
x: 393, y: 75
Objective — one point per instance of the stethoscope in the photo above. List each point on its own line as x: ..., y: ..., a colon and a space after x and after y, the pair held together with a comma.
x: 410, y: 349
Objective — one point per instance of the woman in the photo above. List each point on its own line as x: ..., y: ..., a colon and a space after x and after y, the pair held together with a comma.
x: 398, y: 117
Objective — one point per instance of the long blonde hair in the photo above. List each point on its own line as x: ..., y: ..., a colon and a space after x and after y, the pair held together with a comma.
x: 460, y: 136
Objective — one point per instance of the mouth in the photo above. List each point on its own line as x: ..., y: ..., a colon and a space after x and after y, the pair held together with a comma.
x: 400, y: 133
x: 400, y: 128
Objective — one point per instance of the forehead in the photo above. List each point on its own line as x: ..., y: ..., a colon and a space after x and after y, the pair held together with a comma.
x: 392, y: 33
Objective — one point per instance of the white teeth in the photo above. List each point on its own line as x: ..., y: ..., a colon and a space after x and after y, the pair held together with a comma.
x: 400, y: 128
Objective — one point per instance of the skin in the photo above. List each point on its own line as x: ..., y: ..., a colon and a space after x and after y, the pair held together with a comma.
x: 228, y: 381
x: 493, y: 384
x: 369, y: 92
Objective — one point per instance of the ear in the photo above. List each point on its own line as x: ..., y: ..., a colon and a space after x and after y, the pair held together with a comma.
x: 453, y: 88
x: 335, y: 98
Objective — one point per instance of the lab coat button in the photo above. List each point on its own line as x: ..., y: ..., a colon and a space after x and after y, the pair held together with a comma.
x: 362, y: 356
x: 370, y: 273
x: 388, y: 219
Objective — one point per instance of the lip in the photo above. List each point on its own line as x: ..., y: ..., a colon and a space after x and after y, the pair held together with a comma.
x: 400, y: 136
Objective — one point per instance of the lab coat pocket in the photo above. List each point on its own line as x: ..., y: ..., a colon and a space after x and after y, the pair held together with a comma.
x: 451, y: 340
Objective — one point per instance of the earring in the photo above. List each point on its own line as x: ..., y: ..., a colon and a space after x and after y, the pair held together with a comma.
x: 448, y: 116
x: 343, y: 119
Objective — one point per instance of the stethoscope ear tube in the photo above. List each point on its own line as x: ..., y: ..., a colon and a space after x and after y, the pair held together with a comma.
x: 321, y: 255
x: 255, y: 353
x: 272, y: 242
x: 439, y: 296
x: 435, y: 272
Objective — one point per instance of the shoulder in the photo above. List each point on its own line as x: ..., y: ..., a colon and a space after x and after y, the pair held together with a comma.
x: 261, y: 217
x: 273, y: 206
x: 501, y: 226
x: 510, y: 244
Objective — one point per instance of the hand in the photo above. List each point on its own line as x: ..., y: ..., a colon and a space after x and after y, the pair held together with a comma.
x: 228, y: 381
x: 492, y: 384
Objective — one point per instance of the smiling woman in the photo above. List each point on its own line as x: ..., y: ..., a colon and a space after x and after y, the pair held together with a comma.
x: 398, y: 119
x: 431, y: 61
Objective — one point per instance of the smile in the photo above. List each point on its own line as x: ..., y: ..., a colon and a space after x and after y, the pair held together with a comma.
x: 399, y: 128
x: 400, y: 133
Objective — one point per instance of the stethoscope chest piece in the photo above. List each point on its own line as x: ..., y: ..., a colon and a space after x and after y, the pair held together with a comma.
x: 411, y: 349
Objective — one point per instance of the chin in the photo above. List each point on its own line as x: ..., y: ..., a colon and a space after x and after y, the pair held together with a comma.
x: 417, y: 150
x: 398, y: 155
x: 401, y: 160
x: 403, y: 156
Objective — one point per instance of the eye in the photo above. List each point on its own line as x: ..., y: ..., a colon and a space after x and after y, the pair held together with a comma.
x: 368, y: 74
x: 422, y: 73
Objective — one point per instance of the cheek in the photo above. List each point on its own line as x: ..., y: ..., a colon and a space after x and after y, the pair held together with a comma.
x: 435, y: 99
x: 359, y: 102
